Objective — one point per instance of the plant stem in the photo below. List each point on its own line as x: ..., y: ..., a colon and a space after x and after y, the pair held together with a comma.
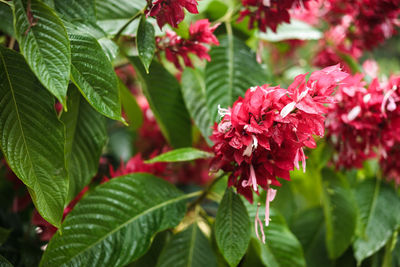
x: 138, y: 14
x: 205, y: 192
x: 11, y: 43
x: 6, y: 2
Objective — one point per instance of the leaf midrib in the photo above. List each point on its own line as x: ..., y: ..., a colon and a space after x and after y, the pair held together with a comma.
x: 177, y: 199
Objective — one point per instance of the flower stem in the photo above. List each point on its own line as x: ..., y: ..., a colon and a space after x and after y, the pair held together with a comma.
x: 138, y: 14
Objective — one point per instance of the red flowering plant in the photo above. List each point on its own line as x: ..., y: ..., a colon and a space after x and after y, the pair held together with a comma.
x: 152, y: 133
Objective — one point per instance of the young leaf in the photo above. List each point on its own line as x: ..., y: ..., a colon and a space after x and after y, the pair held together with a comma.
x: 163, y: 92
x: 86, y: 136
x: 94, y: 75
x: 282, y: 247
x: 232, y: 70
x: 181, y: 154
x: 189, y: 248
x: 26, y: 114
x: 115, y: 223
x: 43, y: 41
x: 145, y: 42
x: 297, y: 29
x: 340, y: 213
x: 232, y: 228
x: 379, y: 207
x: 130, y: 106
x: 194, y: 95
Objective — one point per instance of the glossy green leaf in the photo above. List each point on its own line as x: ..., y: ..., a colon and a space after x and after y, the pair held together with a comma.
x: 6, y: 16
x: 232, y: 70
x: 43, y: 41
x: 281, y: 249
x: 232, y: 228
x: 163, y: 92
x: 189, y: 248
x: 115, y: 223
x: 379, y: 208
x: 145, y: 42
x: 297, y: 29
x: 131, y: 107
x: 26, y: 113
x: 86, y: 136
x: 118, y: 9
x: 194, y: 95
x: 340, y: 213
x: 94, y: 75
x: 181, y: 154
x: 309, y: 227
x: 76, y: 10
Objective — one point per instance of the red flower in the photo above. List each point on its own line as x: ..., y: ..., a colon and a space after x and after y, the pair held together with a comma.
x: 263, y: 135
x: 171, y: 11
x: 175, y: 46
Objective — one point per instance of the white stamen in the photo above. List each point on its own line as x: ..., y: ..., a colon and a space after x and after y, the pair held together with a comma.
x: 223, y: 111
x: 253, y: 88
x: 267, y: 3
x: 253, y: 178
x: 255, y: 143
x: 354, y: 113
x: 303, y: 94
x: 38, y: 230
x: 270, y: 197
x: 367, y: 98
x: 287, y: 109
x: 258, y: 223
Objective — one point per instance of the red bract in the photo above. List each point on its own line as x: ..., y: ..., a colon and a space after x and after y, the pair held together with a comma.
x: 171, y: 11
x: 263, y: 135
x: 175, y: 46
x: 268, y: 13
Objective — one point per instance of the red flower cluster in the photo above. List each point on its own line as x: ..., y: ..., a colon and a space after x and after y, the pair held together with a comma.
x: 175, y: 46
x: 365, y: 123
x: 263, y: 135
x: 171, y: 11
x: 268, y: 13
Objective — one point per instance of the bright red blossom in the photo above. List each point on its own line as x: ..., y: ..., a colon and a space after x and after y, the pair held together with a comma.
x: 175, y: 46
x: 263, y: 135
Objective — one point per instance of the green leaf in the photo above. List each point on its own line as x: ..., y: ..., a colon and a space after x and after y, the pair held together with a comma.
x: 309, y: 228
x: 297, y: 29
x: 340, y: 213
x: 94, y: 75
x: 189, y: 248
x: 194, y: 95
x: 181, y: 154
x: 76, y: 10
x: 4, y: 233
x: 131, y: 107
x: 145, y: 42
x: 86, y: 136
x: 44, y: 43
x: 4, y: 262
x: 6, y: 16
x: 282, y: 247
x: 118, y: 9
x: 163, y: 92
x: 232, y: 70
x: 115, y: 223
x: 232, y: 228
x: 32, y: 137
x: 379, y: 208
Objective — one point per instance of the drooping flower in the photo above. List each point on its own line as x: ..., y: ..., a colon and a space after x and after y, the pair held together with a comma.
x: 171, y: 11
x: 200, y: 34
x: 263, y: 135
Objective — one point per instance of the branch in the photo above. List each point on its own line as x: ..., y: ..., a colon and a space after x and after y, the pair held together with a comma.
x: 138, y: 14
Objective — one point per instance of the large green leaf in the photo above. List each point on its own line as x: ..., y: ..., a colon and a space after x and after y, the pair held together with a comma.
x: 232, y: 70
x: 297, y: 29
x: 309, y: 228
x: 86, y: 136
x: 181, y: 154
x: 194, y: 94
x: 145, y: 42
x: 115, y: 223
x: 379, y: 208
x: 232, y: 228
x: 32, y: 137
x: 282, y: 247
x: 44, y: 42
x: 94, y: 75
x: 76, y: 10
x: 189, y: 248
x: 6, y: 16
x: 340, y: 213
x: 118, y: 9
x: 131, y: 107
x: 163, y: 92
